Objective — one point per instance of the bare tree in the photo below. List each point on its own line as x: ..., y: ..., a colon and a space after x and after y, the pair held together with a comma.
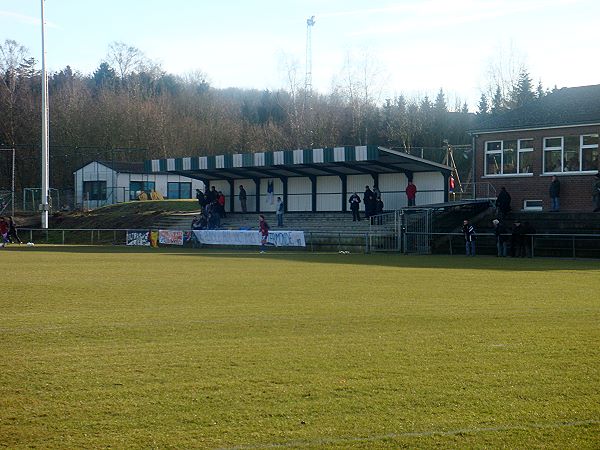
x: 125, y: 58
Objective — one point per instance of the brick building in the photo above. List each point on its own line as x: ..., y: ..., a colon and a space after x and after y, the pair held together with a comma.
x: 555, y: 135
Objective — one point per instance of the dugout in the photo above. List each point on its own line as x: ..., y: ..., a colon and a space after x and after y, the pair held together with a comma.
x: 319, y: 179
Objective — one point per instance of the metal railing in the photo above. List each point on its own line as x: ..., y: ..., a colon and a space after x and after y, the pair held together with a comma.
x: 472, y: 191
x: 532, y: 245
x: 535, y: 245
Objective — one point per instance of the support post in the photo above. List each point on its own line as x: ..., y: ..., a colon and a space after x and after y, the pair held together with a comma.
x: 313, y: 182
x: 257, y: 184
x: 284, y: 182
x: 344, y: 179
x: 231, y: 196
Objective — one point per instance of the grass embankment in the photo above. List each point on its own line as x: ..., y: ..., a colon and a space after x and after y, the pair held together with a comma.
x: 137, y: 214
x: 140, y: 348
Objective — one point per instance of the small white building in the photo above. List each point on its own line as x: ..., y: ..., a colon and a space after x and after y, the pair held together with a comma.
x: 101, y: 183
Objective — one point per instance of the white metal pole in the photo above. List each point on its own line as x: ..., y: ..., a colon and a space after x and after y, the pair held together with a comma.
x: 45, y: 147
x: 12, y: 199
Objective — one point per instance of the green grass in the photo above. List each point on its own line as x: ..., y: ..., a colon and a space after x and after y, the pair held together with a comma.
x: 128, y: 348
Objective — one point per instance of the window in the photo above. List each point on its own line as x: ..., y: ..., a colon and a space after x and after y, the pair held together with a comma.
x: 94, y: 190
x: 571, y: 154
x: 590, y: 158
x: 509, y: 157
x: 525, y: 156
x: 179, y: 190
x: 553, y: 154
x: 136, y: 187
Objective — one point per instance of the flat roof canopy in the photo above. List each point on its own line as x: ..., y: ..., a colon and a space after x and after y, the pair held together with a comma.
x: 337, y: 161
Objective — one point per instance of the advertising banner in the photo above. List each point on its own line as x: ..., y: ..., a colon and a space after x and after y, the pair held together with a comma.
x: 250, y: 237
x: 170, y: 237
x: 138, y: 238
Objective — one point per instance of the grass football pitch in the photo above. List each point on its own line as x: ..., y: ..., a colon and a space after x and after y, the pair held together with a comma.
x: 138, y: 348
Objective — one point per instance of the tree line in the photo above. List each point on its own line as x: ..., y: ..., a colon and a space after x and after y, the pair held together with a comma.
x: 130, y: 102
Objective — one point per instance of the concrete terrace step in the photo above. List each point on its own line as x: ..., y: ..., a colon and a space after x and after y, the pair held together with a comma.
x: 315, y: 222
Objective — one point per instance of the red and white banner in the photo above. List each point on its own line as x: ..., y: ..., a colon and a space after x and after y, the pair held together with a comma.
x: 170, y: 237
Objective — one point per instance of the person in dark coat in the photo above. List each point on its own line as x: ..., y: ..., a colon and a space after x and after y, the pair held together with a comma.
x: 501, y: 238
x: 554, y: 192
x: 243, y: 196
x: 379, y: 209
x: 13, y: 235
x: 503, y: 203
x: 200, y: 198
x: 517, y: 241
x: 354, y: 201
x: 469, y: 233
x: 369, y: 200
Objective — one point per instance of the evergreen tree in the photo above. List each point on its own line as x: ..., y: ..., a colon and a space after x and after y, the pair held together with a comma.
x: 540, y: 90
x: 497, y: 102
x: 483, y: 108
x: 440, y: 102
x: 522, y: 93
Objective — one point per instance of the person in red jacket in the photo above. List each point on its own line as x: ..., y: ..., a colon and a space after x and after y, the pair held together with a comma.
x: 411, y: 193
x: 3, y: 232
x: 221, y: 202
x: 263, y: 228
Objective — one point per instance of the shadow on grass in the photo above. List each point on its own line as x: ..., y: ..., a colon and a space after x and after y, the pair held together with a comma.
x: 459, y: 262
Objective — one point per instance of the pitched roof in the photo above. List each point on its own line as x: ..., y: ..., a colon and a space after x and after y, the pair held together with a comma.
x: 347, y: 160
x: 564, y: 107
x: 119, y: 166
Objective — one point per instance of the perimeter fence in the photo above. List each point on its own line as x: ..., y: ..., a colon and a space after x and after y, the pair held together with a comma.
x: 535, y: 245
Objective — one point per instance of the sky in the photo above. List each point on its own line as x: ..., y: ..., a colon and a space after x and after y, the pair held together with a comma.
x: 410, y: 47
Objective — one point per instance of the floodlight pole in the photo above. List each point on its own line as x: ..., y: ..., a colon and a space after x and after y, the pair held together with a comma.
x: 12, y: 187
x: 45, y: 147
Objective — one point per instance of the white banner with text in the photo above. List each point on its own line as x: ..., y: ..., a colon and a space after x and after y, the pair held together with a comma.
x: 249, y: 237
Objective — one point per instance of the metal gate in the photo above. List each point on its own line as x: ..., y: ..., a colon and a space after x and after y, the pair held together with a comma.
x: 417, y: 231
x: 385, y: 232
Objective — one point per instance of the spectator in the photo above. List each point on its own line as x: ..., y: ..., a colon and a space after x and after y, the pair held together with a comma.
x: 354, y: 205
x: 270, y: 192
x: 411, y: 193
x: 242, y: 196
x: 263, y: 227
x: 3, y: 232
x: 469, y: 233
x: 596, y: 193
x: 13, y: 235
x: 517, y: 241
x: 279, y: 212
x: 503, y: 203
x: 501, y: 239
x: 554, y: 192
x: 369, y: 201
x: 379, y: 209
x: 201, y: 199
x: 221, y: 202
x: 199, y: 222
x: 211, y: 195
x: 376, y: 192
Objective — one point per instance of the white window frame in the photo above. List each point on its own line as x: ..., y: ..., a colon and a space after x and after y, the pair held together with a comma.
x: 493, y: 152
x: 501, y: 152
x: 523, y: 150
x: 553, y: 149
x: 562, y: 154
x: 586, y: 147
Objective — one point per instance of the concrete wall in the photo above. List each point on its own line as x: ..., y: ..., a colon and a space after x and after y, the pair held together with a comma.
x: 299, y: 194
